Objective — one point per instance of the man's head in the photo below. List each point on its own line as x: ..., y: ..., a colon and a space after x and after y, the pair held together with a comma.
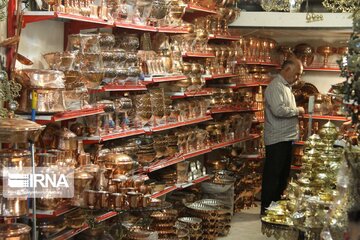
x: 291, y: 70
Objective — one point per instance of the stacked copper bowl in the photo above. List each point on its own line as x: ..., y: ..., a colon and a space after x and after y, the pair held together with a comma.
x: 163, y: 222
x: 193, y: 225
x: 216, y: 217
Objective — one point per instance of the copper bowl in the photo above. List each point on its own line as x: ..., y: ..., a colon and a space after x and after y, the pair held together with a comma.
x: 15, y: 231
x: 92, y: 79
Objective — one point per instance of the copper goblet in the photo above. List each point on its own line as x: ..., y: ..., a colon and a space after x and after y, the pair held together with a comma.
x: 343, y: 50
x: 286, y: 51
x: 305, y: 53
x: 326, y: 51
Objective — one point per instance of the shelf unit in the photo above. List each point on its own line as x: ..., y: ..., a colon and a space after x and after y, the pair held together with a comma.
x: 80, y: 22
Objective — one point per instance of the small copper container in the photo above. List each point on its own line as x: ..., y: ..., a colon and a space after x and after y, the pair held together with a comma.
x: 135, y: 199
x: 118, y: 201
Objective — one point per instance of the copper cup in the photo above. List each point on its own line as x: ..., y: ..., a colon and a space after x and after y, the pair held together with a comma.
x: 134, y: 199
x: 118, y: 201
x: 102, y: 199
x: 146, y: 200
x: 90, y: 198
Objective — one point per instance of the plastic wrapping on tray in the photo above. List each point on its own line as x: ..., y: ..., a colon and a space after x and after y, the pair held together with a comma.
x: 85, y: 43
x: 36, y: 78
x: 76, y: 99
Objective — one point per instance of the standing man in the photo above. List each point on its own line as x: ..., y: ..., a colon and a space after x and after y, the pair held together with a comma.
x: 281, y: 129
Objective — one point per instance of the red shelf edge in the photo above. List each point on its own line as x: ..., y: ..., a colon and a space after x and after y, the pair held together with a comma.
x: 254, y: 84
x: 106, y: 216
x: 175, y: 160
x: 72, y: 232
x: 327, y: 117
x: 109, y: 88
x: 295, y: 167
x: 229, y: 143
x: 201, y: 179
x: 172, y: 30
x: 200, y: 9
x: 114, y: 136
x: 165, y: 191
x: 168, y: 78
x: 259, y: 63
x: 135, y: 26
x: 226, y: 110
x: 180, y: 124
x: 166, y: 163
x: 300, y: 142
x: 322, y: 69
x: 77, y: 113
x: 198, y: 54
x: 217, y: 76
x: 224, y: 37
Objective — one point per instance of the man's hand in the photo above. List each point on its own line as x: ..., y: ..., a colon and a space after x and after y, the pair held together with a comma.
x: 301, y: 111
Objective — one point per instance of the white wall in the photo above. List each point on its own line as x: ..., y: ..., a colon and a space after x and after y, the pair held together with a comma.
x: 39, y: 38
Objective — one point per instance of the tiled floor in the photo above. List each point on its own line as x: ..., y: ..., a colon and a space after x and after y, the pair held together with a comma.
x: 246, y: 226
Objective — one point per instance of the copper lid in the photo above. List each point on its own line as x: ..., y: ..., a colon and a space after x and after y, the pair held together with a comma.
x: 14, y: 229
x: 14, y: 152
x: 18, y: 125
x: 82, y: 174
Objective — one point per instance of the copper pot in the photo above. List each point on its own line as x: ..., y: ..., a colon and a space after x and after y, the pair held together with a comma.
x: 15, y: 158
x: 135, y: 199
x: 90, y: 198
x: 102, y: 199
x: 13, y: 207
x: 122, y: 163
x: 45, y: 159
x: 49, y: 100
x: 67, y: 140
x: 14, y: 130
x: 36, y: 78
x: 47, y: 203
x: 82, y: 181
x: 14, y: 231
x: 118, y: 201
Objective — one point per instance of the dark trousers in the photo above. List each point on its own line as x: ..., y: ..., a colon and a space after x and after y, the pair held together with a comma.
x: 276, y: 172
